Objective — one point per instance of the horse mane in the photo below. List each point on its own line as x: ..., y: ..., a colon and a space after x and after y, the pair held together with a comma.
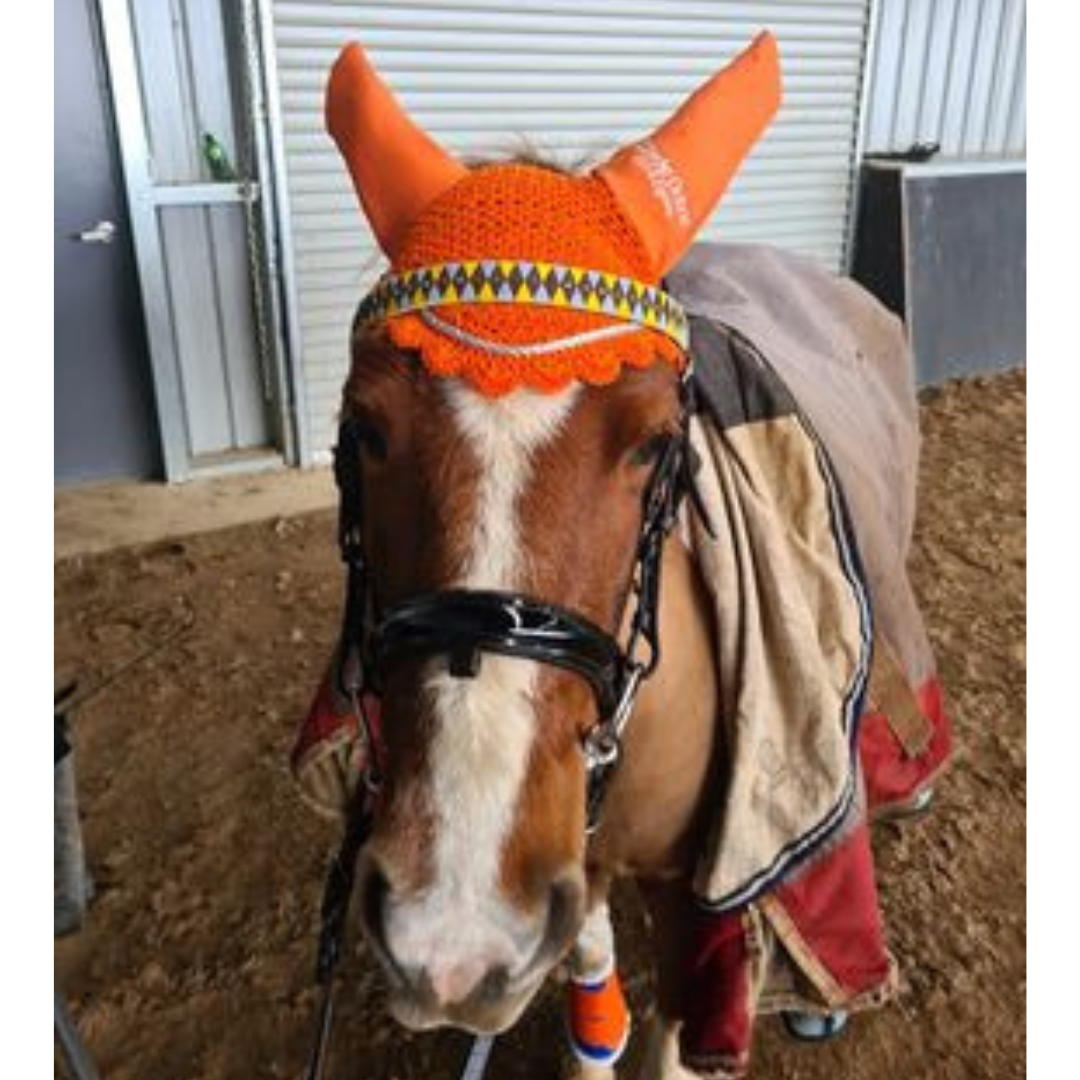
x: 534, y: 156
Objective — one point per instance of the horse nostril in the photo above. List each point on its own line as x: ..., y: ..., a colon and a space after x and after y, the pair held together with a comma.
x: 565, y: 914
x: 494, y: 984
x: 373, y: 892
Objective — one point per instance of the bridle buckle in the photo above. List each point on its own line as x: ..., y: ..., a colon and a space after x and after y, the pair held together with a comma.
x: 601, y: 748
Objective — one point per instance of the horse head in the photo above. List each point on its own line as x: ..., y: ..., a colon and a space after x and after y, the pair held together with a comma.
x: 510, y: 422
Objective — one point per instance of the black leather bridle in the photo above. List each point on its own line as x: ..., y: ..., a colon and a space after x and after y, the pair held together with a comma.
x: 464, y: 625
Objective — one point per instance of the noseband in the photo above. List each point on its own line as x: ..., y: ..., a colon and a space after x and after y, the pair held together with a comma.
x: 465, y: 625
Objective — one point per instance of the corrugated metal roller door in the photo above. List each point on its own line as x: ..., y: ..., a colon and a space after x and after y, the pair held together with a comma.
x: 952, y: 72
x: 574, y: 78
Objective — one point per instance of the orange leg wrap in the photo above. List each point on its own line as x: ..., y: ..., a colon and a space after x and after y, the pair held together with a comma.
x: 599, y: 1020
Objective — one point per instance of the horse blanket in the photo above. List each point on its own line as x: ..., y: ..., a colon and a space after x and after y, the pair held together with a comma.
x: 832, y: 713
x: 808, y: 437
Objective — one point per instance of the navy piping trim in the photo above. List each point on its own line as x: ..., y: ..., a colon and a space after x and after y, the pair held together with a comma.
x: 605, y: 1055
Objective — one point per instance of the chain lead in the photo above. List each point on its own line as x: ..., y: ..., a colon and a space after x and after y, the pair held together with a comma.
x: 251, y: 190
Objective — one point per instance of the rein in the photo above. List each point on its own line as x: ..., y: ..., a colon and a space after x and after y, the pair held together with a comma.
x: 465, y: 624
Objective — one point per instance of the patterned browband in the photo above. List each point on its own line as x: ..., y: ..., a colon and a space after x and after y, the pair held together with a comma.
x: 501, y: 281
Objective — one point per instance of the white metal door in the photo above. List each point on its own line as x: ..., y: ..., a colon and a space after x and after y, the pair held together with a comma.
x: 573, y: 78
x: 178, y: 78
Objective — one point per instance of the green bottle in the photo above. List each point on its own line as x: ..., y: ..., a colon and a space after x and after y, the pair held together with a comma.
x: 220, y: 167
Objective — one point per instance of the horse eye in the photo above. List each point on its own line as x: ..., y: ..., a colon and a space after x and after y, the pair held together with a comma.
x: 375, y: 444
x: 372, y: 440
x: 650, y: 450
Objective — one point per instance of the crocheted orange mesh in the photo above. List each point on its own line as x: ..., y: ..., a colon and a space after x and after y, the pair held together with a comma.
x: 517, y: 211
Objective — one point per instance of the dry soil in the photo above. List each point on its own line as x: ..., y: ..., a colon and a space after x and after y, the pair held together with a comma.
x: 195, y: 962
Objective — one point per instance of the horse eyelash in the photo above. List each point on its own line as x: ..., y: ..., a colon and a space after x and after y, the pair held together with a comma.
x: 645, y: 453
x: 374, y: 441
x: 372, y: 438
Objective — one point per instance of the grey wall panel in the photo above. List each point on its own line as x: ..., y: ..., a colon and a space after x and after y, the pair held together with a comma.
x: 103, y: 402
x: 1009, y: 81
x: 196, y: 327
x: 185, y: 84
x: 209, y: 70
x: 247, y: 400
x: 965, y: 237
x: 951, y: 72
x: 1016, y: 132
x: 575, y: 78
x: 211, y: 316
x: 166, y: 91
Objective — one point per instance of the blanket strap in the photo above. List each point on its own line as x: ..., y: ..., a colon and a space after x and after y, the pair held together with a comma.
x: 891, y: 695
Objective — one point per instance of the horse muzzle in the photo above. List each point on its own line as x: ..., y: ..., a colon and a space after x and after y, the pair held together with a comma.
x: 470, y: 966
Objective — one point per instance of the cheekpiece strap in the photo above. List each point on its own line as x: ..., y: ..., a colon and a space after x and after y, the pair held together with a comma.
x: 499, y: 281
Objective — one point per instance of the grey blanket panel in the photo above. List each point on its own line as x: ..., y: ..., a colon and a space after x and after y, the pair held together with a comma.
x: 845, y: 359
x: 735, y: 386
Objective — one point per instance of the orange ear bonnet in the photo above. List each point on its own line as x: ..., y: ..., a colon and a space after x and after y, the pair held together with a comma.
x: 518, y: 275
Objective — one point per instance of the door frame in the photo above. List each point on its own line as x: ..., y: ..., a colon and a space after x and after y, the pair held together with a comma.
x: 144, y: 199
x: 278, y: 224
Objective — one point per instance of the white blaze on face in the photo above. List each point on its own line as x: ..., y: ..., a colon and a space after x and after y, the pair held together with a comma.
x: 483, y: 728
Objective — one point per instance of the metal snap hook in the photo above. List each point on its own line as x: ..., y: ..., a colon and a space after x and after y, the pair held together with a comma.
x: 601, y: 747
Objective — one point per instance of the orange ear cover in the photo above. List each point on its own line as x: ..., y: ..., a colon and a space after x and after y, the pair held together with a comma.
x: 669, y: 183
x: 397, y: 169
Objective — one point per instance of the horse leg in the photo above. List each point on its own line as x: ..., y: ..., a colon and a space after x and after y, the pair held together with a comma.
x: 599, y: 1022
x: 666, y: 902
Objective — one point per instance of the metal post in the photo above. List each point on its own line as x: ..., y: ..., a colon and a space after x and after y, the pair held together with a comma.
x: 72, y: 887
x: 75, y: 1052
x: 71, y: 884
x: 862, y: 123
x: 277, y: 203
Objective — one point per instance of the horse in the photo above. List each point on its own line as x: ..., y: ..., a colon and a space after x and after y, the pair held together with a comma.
x: 478, y: 877
x: 516, y: 470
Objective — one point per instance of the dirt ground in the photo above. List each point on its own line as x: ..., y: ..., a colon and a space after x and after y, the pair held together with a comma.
x: 195, y: 960
x: 92, y: 518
